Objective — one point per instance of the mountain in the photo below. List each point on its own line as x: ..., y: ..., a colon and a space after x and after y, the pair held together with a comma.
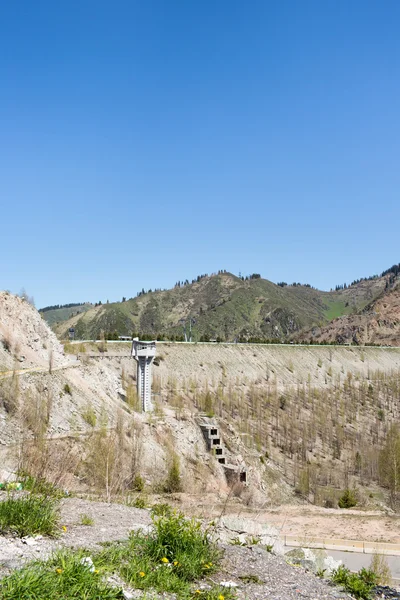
x: 224, y: 307
x: 378, y: 323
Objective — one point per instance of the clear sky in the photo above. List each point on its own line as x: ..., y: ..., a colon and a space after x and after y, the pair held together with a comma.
x: 146, y: 142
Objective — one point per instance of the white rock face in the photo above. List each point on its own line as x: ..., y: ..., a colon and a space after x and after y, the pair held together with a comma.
x: 248, y: 532
x: 25, y: 336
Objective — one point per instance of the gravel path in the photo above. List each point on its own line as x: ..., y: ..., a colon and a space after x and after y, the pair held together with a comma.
x: 260, y: 574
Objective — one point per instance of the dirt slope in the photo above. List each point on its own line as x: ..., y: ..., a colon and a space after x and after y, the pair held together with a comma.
x: 378, y: 323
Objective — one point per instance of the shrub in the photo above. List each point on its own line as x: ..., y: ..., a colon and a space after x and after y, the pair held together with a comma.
x: 138, y: 502
x: 161, y: 510
x: 175, y: 553
x: 138, y: 483
x: 379, y: 565
x: 358, y: 584
x: 348, y: 499
x: 40, y: 485
x: 173, y: 481
x: 29, y: 515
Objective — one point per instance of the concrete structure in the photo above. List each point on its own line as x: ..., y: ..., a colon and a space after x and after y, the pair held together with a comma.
x: 212, y: 436
x: 144, y: 353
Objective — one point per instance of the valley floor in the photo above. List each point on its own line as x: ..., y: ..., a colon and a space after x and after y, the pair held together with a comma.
x: 308, y: 521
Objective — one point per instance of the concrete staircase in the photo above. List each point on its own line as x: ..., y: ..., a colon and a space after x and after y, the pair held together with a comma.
x: 212, y: 435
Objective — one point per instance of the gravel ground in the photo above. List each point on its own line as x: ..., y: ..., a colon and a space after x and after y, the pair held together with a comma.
x: 275, y: 578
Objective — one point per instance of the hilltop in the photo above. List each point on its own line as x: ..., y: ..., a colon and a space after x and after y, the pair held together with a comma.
x: 223, y: 307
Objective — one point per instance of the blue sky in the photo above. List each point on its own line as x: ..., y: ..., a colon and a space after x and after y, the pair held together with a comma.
x: 146, y: 142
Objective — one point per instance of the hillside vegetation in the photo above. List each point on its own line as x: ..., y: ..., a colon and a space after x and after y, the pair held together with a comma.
x: 223, y: 307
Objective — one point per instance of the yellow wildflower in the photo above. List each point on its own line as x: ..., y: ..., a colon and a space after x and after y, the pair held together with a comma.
x: 59, y: 570
x: 197, y: 592
x: 176, y: 563
x: 165, y: 560
x: 64, y: 528
x: 220, y: 597
x: 96, y: 571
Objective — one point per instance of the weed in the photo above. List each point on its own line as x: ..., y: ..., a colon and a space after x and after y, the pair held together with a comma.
x: 250, y: 579
x: 138, y: 483
x: 40, y: 485
x: 138, y: 502
x: 29, y: 515
x: 67, y: 389
x: 86, y: 520
x: 89, y: 415
x: 161, y: 510
x: 236, y: 541
x: 379, y: 565
x: 358, y: 584
x: 320, y: 573
x: 269, y: 547
x: 175, y: 553
x: 253, y: 541
x: 67, y: 575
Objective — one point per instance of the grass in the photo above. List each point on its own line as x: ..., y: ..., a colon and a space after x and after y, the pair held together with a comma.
x: 29, y: 515
x: 64, y: 576
x: 40, y: 485
x: 171, y: 559
x: 86, y: 520
x: 89, y: 415
x: 175, y: 554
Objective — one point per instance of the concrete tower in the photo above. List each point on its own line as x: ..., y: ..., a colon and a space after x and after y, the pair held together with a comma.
x: 144, y: 353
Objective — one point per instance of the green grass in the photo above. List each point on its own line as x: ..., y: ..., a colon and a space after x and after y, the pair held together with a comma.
x: 29, y: 515
x: 337, y: 309
x: 171, y: 559
x: 64, y: 576
x: 175, y: 554
x: 359, y: 584
x: 86, y: 520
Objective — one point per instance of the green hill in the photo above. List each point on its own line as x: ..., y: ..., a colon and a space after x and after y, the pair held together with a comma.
x: 223, y: 307
x: 58, y: 315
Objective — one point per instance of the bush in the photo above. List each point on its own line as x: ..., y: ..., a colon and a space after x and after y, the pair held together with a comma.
x: 348, y: 499
x: 358, y: 584
x: 161, y: 510
x: 175, y: 553
x: 138, y: 483
x: 40, y: 486
x: 173, y: 481
x: 29, y: 515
